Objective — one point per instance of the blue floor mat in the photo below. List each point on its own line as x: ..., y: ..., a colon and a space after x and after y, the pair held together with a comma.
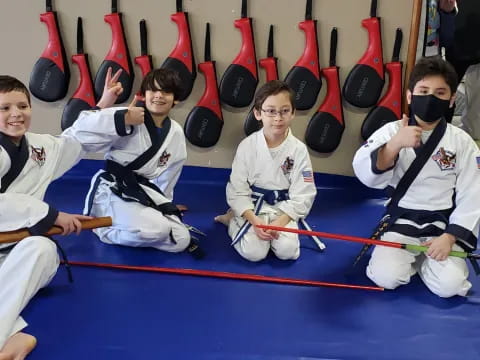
x: 117, y: 314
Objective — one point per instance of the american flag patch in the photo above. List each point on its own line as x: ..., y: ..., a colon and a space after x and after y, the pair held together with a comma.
x: 478, y: 162
x: 307, y: 176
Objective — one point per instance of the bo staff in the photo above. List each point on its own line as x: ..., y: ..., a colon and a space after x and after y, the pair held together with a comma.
x: 224, y: 275
x: 411, y: 247
x: 17, y: 235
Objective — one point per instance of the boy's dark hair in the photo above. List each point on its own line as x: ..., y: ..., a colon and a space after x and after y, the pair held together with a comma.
x: 270, y: 88
x: 167, y: 79
x: 433, y: 66
x: 9, y: 83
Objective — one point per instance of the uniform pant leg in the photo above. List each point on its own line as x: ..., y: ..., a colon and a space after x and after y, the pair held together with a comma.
x: 391, y: 267
x: 446, y: 278
x: 287, y: 246
x: 28, y: 267
x: 140, y: 226
x: 249, y: 246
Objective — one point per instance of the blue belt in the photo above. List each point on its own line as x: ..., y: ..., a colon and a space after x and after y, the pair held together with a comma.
x: 260, y: 195
x: 271, y: 197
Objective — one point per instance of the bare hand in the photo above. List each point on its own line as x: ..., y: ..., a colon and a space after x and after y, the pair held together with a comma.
x: 280, y: 221
x: 135, y: 114
x: 440, y: 247
x: 112, y: 89
x: 70, y: 222
x: 262, y: 234
x: 447, y: 5
x: 407, y: 135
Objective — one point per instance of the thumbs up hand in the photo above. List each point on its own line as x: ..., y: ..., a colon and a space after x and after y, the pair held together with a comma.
x: 407, y: 135
x: 135, y: 115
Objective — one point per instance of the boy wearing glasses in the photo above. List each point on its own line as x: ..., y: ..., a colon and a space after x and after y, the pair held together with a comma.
x: 271, y: 180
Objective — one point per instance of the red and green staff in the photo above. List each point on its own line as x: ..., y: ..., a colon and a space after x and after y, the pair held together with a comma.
x: 397, y: 245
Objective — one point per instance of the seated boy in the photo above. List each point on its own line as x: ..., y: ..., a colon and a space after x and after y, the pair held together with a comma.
x: 432, y: 171
x: 28, y: 164
x: 144, y: 159
x: 271, y: 180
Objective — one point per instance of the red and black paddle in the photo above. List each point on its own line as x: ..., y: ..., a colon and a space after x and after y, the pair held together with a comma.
x: 325, y: 129
x: 304, y: 77
x: 144, y: 61
x: 84, y: 97
x: 270, y: 65
x: 204, y: 123
x: 181, y: 58
x: 364, y: 83
x: 238, y: 83
x: 117, y: 58
x: 389, y: 107
x: 51, y: 75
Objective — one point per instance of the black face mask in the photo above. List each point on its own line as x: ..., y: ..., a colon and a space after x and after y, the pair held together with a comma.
x: 429, y: 108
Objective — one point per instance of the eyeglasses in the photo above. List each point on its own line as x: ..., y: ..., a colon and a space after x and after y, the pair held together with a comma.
x: 273, y: 112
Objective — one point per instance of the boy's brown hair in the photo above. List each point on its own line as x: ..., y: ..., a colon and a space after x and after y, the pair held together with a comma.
x: 167, y: 79
x: 270, y: 88
x: 433, y: 66
x: 9, y: 84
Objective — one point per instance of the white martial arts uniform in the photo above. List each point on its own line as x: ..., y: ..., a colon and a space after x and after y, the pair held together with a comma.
x: 443, y: 197
x: 163, y: 154
x: 25, y: 173
x: 286, y: 167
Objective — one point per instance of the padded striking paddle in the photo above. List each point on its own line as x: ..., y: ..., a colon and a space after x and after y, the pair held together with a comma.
x: 144, y: 61
x: 84, y: 97
x: 181, y: 58
x: 117, y: 58
x: 389, y: 107
x: 325, y: 129
x: 304, y: 77
x: 270, y: 65
x: 238, y: 83
x: 204, y: 123
x: 364, y: 83
x: 51, y: 75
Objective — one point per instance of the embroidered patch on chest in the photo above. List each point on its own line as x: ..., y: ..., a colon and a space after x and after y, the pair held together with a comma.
x: 287, y: 165
x: 445, y: 159
x: 478, y: 162
x: 163, y: 159
x: 38, y: 155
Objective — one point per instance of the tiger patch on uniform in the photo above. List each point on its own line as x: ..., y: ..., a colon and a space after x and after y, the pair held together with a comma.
x: 445, y: 159
x: 287, y: 165
x: 38, y: 155
x: 163, y: 159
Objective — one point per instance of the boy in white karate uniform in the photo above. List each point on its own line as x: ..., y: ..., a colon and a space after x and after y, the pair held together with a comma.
x: 271, y: 180
x: 433, y: 172
x: 28, y: 164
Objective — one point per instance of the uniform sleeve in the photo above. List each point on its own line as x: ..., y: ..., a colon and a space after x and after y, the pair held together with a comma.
x: 70, y: 152
x: 169, y: 178
x: 238, y: 189
x: 365, y: 159
x: 302, y: 190
x: 464, y: 220
x: 18, y: 211
x: 97, y: 130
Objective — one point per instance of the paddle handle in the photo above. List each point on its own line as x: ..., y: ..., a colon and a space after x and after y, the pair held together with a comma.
x: 17, y: 235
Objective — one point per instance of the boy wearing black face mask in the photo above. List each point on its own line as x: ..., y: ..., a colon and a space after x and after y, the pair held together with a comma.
x: 432, y: 172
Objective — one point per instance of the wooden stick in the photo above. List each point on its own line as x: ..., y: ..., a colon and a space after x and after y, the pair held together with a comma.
x: 412, y: 47
x: 17, y: 235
